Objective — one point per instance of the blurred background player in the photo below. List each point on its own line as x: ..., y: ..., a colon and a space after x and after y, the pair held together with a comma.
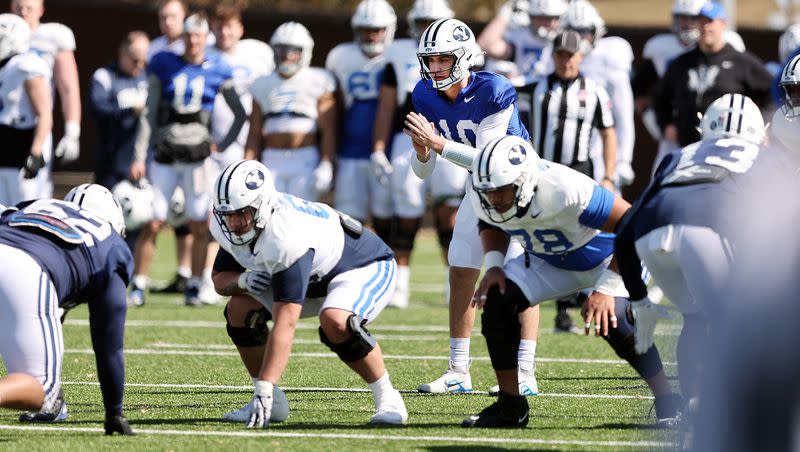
x: 311, y: 262
x: 116, y: 100
x: 293, y: 119
x: 788, y: 48
x: 55, y: 43
x: 457, y: 110
x: 48, y: 267
x: 358, y: 67
x: 26, y: 115
x: 409, y: 191
x: 171, y: 14
x: 527, y: 47
x: 181, y: 94
x: 658, y: 53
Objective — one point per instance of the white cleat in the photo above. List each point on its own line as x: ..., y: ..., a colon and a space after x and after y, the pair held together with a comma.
x: 399, y: 299
x: 455, y: 381
x: 280, y: 409
x: 527, y: 384
x: 392, y: 411
x: 207, y: 294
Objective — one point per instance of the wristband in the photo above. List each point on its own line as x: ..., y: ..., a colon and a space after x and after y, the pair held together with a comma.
x: 608, y: 283
x: 242, y: 282
x: 494, y: 258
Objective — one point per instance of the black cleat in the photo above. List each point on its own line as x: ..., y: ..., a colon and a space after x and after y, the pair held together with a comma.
x: 58, y: 412
x: 508, y: 411
x: 178, y: 285
x: 564, y: 322
x: 668, y: 410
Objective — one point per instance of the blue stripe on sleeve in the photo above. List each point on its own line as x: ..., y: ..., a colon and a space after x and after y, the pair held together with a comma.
x: 597, y: 212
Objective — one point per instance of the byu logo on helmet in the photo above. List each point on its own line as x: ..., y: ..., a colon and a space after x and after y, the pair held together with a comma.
x: 461, y: 33
x: 516, y: 155
x: 254, y: 179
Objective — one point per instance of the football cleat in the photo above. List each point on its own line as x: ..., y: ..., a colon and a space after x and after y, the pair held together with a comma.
x: 668, y: 410
x: 178, y: 285
x: 136, y: 296
x: 527, y: 384
x: 207, y: 294
x: 454, y: 381
x: 507, y: 411
x: 400, y: 298
x: 280, y: 409
x: 192, y: 294
x: 392, y: 410
x: 58, y: 412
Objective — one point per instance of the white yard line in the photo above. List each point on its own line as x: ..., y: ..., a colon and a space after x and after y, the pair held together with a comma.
x: 274, y: 434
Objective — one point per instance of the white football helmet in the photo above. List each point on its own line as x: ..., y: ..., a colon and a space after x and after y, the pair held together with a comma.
x: 244, y: 188
x: 789, y: 42
x: 136, y: 200
x: 686, y: 8
x: 98, y: 201
x: 584, y: 18
x: 448, y: 37
x: 547, y: 9
x: 176, y: 216
x: 291, y: 36
x: 505, y: 161
x: 790, y: 85
x: 15, y: 35
x: 427, y: 11
x: 374, y: 14
x: 735, y: 116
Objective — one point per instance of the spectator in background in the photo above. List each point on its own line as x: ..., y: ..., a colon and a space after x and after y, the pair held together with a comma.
x: 703, y: 74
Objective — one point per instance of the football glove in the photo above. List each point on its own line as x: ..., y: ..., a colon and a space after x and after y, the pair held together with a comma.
x: 625, y: 174
x: 69, y: 148
x: 32, y: 166
x: 323, y: 176
x: 645, y: 315
x: 381, y: 167
x: 261, y: 405
x: 254, y: 282
x: 117, y: 424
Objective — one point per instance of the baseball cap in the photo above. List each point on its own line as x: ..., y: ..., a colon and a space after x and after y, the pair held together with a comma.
x: 569, y: 41
x: 713, y: 10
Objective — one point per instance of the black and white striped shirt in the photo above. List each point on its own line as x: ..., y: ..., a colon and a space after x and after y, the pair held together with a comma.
x: 561, y: 115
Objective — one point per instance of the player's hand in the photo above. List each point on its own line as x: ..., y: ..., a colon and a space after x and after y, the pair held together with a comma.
x: 261, y: 405
x: 381, y: 167
x: 494, y: 276
x: 32, y: 166
x: 423, y: 132
x: 599, y: 309
x: 68, y: 149
x: 137, y: 171
x: 513, y: 7
x: 117, y: 424
x: 323, y: 176
x: 625, y: 174
x: 645, y: 315
x: 254, y: 282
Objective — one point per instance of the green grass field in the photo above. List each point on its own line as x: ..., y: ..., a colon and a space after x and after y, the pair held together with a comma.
x: 183, y: 374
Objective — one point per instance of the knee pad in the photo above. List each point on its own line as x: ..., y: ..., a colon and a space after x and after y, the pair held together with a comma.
x: 622, y: 341
x: 403, y: 234
x: 253, y: 333
x: 357, y: 346
x: 500, y: 325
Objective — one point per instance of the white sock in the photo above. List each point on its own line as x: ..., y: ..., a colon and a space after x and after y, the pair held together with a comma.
x: 459, y: 351
x: 186, y: 272
x: 380, y: 388
x: 403, y: 277
x: 207, y: 275
x: 140, y: 281
x: 526, y: 355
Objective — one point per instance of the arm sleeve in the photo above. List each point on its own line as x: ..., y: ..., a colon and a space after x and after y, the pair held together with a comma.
x: 225, y: 262
x: 630, y: 266
x: 493, y: 126
x: 663, y: 99
x: 290, y: 285
x: 101, y: 101
x: 597, y: 211
x: 147, y: 119
x: 107, y: 324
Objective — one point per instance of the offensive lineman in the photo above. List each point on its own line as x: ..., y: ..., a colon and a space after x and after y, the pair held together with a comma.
x: 56, y: 255
x: 284, y: 258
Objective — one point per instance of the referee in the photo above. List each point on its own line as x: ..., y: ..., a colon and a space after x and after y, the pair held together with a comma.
x: 565, y: 108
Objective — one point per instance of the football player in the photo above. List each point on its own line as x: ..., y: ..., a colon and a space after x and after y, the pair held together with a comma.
x: 358, y: 66
x: 284, y: 258
x: 26, y: 116
x: 784, y: 130
x: 456, y: 110
x: 56, y: 255
x: 180, y: 102
x: 55, y: 43
x: 408, y: 191
x: 293, y: 119
x: 564, y: 220
x: 171, y: 14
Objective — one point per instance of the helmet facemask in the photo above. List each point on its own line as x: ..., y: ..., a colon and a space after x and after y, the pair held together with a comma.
x: 545, y: 27
x: 456, y: 71
x: 687, y: 28
x: 241, y: 226
x: 499, y: 205
x: 791, y: 104
x: 288, y: 59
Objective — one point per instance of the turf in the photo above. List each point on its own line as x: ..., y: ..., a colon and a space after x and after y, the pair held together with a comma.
x: 169, y: 344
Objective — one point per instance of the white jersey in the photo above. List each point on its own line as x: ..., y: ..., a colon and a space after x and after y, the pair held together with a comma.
x: 662, y: 48
x: 250, y: 59
x: 358, y: 75
x: 51, y: 38
x: 291, y: 105
x: 402, y: 55
x: 16, y: 108
x: 532, y: 54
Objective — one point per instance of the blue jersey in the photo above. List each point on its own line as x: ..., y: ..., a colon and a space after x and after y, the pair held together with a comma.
x: 189, y: 88
x: 459, y: 121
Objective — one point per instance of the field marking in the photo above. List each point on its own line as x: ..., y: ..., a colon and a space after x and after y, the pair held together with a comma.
x: 274, y: 434
x: 347, y: 390
x: 150, y: 351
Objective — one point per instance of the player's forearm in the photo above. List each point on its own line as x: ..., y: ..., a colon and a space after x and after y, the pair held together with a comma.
x: 227, y: 283
x: 387, y: 103
x: 609, y: 137
x: 66, y: 76
x: 279, y: 344
x: 327, y: 127
x: 252, y: 148
x: 494, y: 239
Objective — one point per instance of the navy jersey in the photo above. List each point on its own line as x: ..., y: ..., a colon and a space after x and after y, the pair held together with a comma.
x: 189, y: 88
x: 485, y: 95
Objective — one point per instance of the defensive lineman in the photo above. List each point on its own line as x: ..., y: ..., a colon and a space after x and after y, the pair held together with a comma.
x: 284, y: 258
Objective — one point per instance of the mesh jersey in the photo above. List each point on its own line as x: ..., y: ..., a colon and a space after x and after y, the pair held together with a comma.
x: 15, y: 107
x: 189, y: 88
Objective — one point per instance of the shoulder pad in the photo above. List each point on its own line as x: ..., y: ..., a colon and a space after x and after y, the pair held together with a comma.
x: 60, y: 34
x: 658, y: 45
x: 33, y: 65
x: 735, y: 40
x: 617, y: 52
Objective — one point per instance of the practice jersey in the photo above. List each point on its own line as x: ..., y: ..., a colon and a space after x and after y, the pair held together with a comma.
x: 402, y: 74
x: 189, y: 88
x: 80, y: 252
x: 303, y: 247
x: 291, y: 104
x: 15, y: 105
x: 359, y: 79
x: 562, y: 223
x: 485, y: 95
x: 178, y: 47
x: 51, y: 38
x: 531, y: 54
